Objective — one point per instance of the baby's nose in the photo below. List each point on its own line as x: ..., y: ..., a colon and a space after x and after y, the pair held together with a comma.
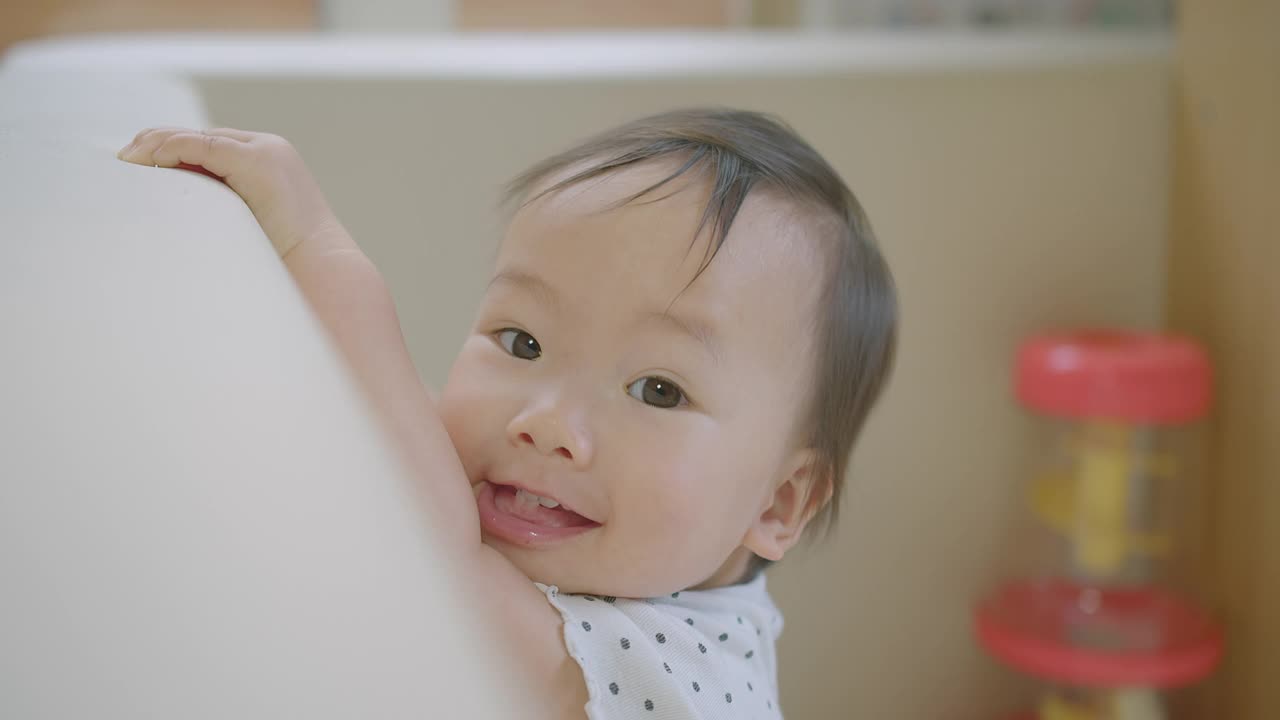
x: 527, y: 439
x: 552, y: 431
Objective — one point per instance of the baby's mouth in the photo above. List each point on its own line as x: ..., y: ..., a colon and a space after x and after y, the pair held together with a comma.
x: 519, y: 517
x: 535, y: 509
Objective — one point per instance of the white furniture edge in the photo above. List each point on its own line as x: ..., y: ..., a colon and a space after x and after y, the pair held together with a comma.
x: 588, y: 55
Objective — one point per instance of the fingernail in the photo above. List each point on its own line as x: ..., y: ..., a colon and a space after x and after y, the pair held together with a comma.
x: 124, y: 151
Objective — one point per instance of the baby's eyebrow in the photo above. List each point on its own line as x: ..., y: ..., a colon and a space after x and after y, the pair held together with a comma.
x: 530, y: 283
x: 692, y: 327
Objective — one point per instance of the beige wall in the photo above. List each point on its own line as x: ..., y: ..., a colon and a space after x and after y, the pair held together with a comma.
x: 1225, y: 254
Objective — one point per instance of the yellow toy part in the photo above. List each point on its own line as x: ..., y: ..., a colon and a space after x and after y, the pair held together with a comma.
x: 1101, y: 531
x: 1055, y: 707
x: 1118, y: 704
x: 1092, y: 507
x: 1055, y: 500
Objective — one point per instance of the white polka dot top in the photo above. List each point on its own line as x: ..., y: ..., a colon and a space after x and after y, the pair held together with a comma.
x: 705, y: 654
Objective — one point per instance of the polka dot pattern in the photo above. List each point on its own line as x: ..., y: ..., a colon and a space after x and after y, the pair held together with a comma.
x: 710, y: 660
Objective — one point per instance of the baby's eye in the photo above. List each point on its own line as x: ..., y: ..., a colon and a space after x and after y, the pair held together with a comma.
x: 658, y: 392
x: 519, y: 344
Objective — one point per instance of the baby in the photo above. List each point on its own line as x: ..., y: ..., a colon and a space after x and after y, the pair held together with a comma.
x: 687, y: 325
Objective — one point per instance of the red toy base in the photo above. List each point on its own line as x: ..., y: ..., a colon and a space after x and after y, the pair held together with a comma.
x: 1088, y: 637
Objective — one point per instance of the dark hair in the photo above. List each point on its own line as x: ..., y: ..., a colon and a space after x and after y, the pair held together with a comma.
x: 741, y: 151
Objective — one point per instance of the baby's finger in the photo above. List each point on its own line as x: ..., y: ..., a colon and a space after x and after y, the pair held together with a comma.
x: 218, y: 154
x: 139, y: 149
x: 200, y: 170
x: 241, y: 135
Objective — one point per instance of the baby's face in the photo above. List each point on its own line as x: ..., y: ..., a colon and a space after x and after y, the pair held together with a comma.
x: 661, y: 418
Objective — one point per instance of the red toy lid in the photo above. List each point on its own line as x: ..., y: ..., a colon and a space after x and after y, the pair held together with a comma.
x: 1139, y: 378
x: 1133, y: 637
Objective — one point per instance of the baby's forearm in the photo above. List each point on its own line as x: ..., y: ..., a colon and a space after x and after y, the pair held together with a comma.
x: 352, y: 301
x: 350, y: 298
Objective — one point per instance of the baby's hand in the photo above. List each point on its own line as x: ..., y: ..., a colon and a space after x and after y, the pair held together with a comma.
x: 263, y: 169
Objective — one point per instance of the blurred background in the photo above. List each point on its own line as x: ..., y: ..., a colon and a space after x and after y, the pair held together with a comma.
x: 32, y: 18
x: 1027, y: 164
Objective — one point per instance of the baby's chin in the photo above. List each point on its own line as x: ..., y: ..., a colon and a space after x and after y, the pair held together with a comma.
x: 551, y: 567
x: 578, y: 576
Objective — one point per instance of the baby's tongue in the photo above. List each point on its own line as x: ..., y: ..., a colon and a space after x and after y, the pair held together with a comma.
x: 531, y: 512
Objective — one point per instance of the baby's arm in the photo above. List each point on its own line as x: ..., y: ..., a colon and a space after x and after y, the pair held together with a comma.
x: 351, y: 300
x: 343, y: 288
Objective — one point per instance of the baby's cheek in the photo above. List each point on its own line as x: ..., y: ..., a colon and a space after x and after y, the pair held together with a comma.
x: 688, y: 511
x: 470, y: 418
x: 681, y: 545
x: 454, y: 418
x: 651, y: 498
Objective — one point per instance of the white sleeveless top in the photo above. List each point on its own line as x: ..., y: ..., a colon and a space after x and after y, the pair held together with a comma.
x: 704, y: 654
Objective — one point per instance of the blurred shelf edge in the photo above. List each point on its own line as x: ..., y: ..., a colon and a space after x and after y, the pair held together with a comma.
x: 589, y: 54
x: 22, y: 20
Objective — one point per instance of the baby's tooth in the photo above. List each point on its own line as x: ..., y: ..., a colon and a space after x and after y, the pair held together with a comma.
x: 528, y: 499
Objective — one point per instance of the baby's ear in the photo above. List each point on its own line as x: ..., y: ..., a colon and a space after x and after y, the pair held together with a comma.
x: 801, y: 491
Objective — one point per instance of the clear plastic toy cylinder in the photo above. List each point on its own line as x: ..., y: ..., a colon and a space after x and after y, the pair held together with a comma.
x: 1106, y: 606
